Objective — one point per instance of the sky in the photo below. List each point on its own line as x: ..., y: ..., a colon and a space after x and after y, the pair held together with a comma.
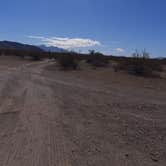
x: 115, y: 27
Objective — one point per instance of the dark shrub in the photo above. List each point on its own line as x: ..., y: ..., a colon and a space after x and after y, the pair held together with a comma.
x: 140, y: 65
x: 97, y: 59
x: 36, y: 58
x: 68, y: 62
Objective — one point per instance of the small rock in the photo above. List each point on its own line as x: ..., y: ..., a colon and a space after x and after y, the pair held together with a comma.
x: 127, y: 155
x: 155, y: 157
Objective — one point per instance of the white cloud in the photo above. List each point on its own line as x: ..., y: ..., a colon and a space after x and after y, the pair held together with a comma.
x: 67, y: 43
x: 120, y: 50
x: 36, y: 37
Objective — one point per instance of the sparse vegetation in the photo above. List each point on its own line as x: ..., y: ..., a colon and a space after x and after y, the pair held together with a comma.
x: 97, y: 59
x: 36, y: 57
x: 68, y: 62
x: 140, y: 64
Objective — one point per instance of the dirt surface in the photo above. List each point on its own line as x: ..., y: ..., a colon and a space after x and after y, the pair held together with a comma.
x: 82, y: 118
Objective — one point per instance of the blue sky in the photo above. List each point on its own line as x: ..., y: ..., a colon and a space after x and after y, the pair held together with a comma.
x: 110, y: 26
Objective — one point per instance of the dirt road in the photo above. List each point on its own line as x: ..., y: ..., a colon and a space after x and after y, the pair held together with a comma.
x: 67, y: 119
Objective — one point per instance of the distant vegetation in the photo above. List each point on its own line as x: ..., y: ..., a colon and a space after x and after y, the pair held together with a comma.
x: 97, y: 59
x: 34, y: 55
x: 68, y: 62
x: 139, y: 64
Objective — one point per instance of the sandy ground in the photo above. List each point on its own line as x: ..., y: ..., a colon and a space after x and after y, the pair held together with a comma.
x: 81, y: 118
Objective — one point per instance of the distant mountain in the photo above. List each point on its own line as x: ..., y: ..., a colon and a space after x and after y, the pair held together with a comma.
x: 52, y: 49
x: 161, y: 58
x: 18, y: 46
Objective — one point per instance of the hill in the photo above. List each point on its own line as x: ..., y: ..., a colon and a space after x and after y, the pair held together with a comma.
x: 18, y: 46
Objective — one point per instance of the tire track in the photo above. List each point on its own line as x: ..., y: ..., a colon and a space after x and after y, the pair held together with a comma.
x: 34, y: 136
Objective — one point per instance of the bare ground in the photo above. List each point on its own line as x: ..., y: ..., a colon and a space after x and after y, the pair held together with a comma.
x: 83, y: 118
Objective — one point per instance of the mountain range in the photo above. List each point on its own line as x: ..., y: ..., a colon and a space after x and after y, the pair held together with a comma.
x: 27, y: 47
x: 52, y: 49
x: 18, y: 46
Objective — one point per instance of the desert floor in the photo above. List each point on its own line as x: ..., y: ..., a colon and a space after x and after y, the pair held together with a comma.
x: 87, y: 117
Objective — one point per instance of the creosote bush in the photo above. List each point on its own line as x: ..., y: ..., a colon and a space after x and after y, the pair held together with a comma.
x: 68, y: 62
x: 140, y: 65
x: 36, y: 58
x: 97, y: 59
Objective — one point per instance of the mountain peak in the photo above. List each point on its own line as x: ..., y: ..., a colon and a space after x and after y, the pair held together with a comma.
x: 52, y: 49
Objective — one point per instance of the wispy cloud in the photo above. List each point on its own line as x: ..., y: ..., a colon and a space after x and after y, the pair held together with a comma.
x: 120, y: 50
x: 67, y: 43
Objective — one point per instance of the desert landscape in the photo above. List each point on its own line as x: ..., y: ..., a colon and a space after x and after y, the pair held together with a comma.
x: 85, y: 117
x: 83, y: 83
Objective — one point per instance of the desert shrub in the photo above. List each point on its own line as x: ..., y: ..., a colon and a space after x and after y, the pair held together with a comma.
x: 36, y: 57
x: 97, y: 59
x: 140, y: 64
x: 68, y: 62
